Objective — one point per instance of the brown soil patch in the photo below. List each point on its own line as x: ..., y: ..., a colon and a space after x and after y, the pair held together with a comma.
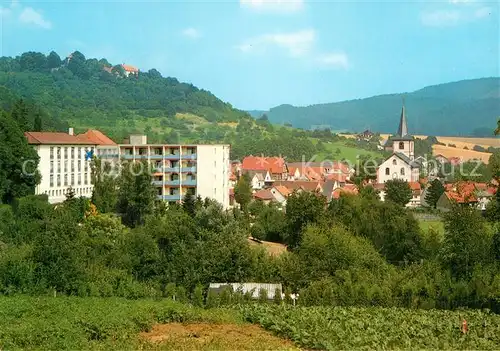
x: 206, y: 336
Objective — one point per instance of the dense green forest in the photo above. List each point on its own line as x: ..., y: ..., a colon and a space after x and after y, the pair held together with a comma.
x: 434, y: 110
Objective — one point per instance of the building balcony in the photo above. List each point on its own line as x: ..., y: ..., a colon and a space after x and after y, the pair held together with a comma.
x: 171, y: 169
x: 127, y: 156
x: 189, y: 182
x: 172, y: 182
x: 108, y: 156
x: 188, y: 169
x: 172, y: 156
x: 157, y: 182
x: 189, y: 156
x: 143, y: 156
x: 176, y: 197
x: 156, y: 157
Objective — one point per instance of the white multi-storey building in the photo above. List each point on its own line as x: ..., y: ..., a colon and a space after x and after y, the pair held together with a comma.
x: 201, y: 170
x: 64, y: 164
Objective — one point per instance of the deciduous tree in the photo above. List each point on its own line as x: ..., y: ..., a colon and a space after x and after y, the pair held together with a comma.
x: 398, y: 191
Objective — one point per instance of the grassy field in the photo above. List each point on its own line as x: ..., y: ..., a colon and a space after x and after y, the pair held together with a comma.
x: 70, y: 323
x: 435, y: 225
x: 346, y: 152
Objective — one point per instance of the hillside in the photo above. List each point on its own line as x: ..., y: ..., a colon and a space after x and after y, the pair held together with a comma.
x: 94, y: 90
x: 468, y: 107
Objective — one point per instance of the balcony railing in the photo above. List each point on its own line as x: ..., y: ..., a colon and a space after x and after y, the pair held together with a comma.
x: 156, y: 157
x: 171, y: 169
x: 189, y: 182
x: 189, y: 156
x: 191, y: 169
x: 172, y: 156
x: 172, y: 182
x: 158, y: 182
x: 127, y: 156
x: 176, y: 197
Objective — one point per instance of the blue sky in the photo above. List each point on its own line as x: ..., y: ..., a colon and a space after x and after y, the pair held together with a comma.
x: 257, y: 54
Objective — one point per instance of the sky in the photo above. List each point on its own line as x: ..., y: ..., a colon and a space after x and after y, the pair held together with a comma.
x: 257, y: 54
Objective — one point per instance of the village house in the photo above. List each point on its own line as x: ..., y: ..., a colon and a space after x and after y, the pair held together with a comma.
x: 276, y: 166
x: 466, y: 193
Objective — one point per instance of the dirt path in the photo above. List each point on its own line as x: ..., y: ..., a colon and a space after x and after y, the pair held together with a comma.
x: 205, y: 336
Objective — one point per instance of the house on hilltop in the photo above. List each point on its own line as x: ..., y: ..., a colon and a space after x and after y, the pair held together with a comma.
x: 128, y: 69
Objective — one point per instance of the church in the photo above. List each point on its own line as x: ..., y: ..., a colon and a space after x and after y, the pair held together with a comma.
x: 401, y: 164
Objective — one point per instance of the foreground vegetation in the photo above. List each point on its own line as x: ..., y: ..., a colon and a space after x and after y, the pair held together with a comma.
x: 71, y: 323
x: 339, y: 328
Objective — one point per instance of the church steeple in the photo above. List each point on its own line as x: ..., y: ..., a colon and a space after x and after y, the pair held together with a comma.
x: 403, y: 126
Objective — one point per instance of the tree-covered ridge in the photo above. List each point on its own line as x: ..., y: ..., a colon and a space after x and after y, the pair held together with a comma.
x: 435, y: 110
x: 79, y: 87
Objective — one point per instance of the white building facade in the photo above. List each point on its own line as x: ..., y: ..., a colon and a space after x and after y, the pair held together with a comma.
x: 64, y: 164
x: 178, y: 170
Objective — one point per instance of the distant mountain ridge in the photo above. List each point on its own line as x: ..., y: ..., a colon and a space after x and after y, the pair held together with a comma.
x: 467, y: 107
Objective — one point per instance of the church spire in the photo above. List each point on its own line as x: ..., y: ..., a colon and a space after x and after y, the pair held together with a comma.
x: 403, y: 127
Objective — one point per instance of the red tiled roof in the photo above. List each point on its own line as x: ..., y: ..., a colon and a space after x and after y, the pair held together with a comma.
x: 129, y: 68
x: 299, y: 184
x: 264, y: 194
x: 283, y: 190
x: 339, y: 177
x: 345, y: 190
x: 415, y: 186
x: 96, y: 137
x: 37, y: 138
x: 272, y: 164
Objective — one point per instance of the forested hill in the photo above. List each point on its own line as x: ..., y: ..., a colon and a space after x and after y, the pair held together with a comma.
x: 95, y: 90
x: 468, y: 107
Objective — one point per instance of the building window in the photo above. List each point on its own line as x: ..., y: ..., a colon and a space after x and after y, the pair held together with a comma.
x: 72, y: 179
x: 387, y: 171
x: 402, y: 171
x: 65, y: 180
x: 394, y: 162
x: 58, y: 180
x: 58, y: 166
x: 72, y: 166
x: 58, y: 152
x: 65, y: 166
x: 51, y: 180
x: 73, y: 152
x: 79, y: 152
x: 79, y: 165
x: 401, y: 145
x: 79, y: 179
x: 51, y: 153
x: 51, y: 166
x: 86, y: 166
x: 65, y: 153
x: 85, y: 180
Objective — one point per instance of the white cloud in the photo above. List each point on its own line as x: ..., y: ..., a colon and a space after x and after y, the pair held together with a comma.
x: 192, y: 33
x: 482, y: 12
x: 6, y: 11
x: 31, y: 16
x: 334, y: 60
x: 273, y: 6
x: 298, y: 45
x: 441, y: 18
x: 459, y: 2
x: 295, y: 43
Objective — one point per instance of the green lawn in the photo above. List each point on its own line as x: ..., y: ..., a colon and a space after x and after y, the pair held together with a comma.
x: 435, y: 225
x: 346, y: 152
